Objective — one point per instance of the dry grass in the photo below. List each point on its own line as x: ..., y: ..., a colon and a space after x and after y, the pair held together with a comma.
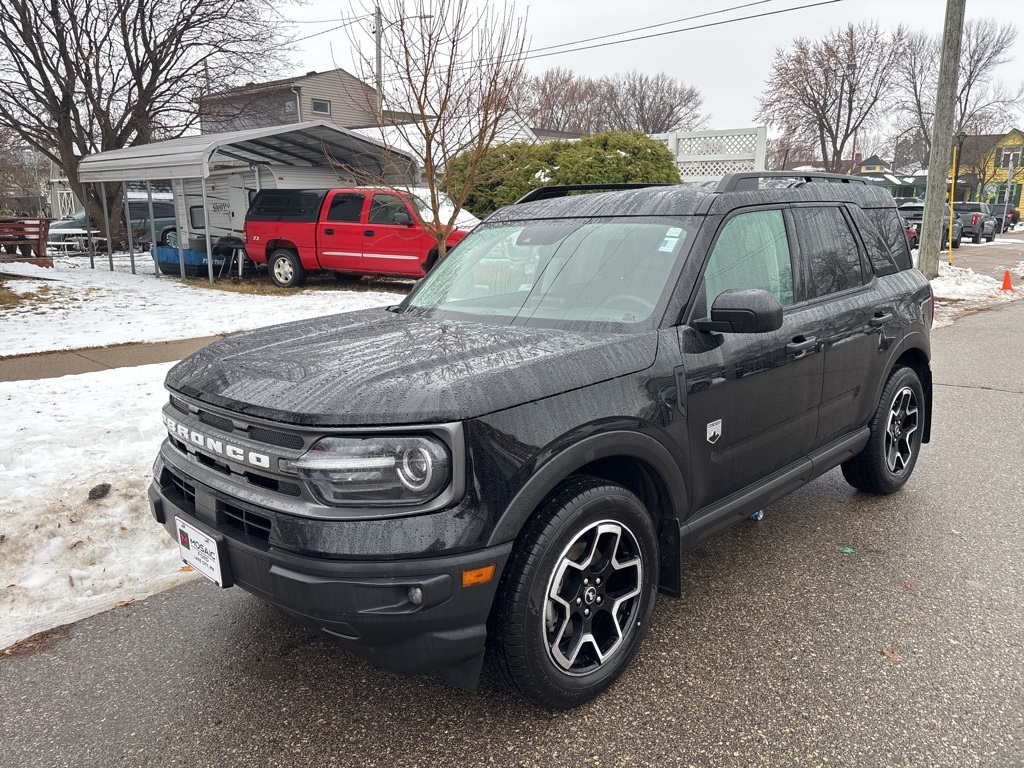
x: 25, y: 301
x: 260, y: 285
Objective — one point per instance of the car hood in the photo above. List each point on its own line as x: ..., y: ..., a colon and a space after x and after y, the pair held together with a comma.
x: 376, y: 367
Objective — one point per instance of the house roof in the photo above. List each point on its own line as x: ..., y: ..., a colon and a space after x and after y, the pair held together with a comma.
x: 874, y: 160
x: 285, y: 82
x: 316, y: 143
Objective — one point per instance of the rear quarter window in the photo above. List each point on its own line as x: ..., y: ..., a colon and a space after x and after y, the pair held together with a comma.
x: 884, y: 238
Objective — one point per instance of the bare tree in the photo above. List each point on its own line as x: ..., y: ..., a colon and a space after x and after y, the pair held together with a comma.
x: 828, y: 90
x: 453, y: 70
x: 24, y: 175
x: 85, y: 76
x: 561, y: 100
x: 982, y: 103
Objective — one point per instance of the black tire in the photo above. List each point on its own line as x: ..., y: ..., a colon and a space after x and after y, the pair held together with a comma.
x: 991, y: 237
x: 430, y: 262
x: 977, y: 237
x: 553, y: 586
x: 286, y: 271
x: 888, y: 460
x: 912, y: 243
x: 956, y: 242
x: 169, y: 238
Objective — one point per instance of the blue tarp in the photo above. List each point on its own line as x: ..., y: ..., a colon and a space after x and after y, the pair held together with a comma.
x: 168, y: 255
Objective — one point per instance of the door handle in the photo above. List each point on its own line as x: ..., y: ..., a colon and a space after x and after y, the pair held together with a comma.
x: 801, y: 347
x: 368, y: 232
x: 328, y: 231
x: 881, y: 319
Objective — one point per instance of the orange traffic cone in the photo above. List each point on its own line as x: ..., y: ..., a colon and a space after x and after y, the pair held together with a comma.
x: 1007, y: 286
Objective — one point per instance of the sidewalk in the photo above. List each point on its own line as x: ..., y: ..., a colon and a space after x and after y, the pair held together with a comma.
x: 49, y: 365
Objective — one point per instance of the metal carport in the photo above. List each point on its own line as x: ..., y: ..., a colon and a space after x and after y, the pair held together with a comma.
x: 314, y: 144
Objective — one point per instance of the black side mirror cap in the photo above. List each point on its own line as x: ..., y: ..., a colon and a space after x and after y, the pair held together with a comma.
x: 746, y: 310
x: 403, y: 219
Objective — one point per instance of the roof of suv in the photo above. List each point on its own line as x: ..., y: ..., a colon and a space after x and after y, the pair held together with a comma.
x: 701, y: 198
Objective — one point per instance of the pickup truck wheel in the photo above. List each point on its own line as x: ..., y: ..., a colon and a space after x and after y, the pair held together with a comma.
x: 888, y: 459
x: 286, y: 271
x: 977, y: 237
x: 991, y: 237
x: 956, y: 241
x: 169, y: 238
x: 577, y: 594
x: 430, y: 262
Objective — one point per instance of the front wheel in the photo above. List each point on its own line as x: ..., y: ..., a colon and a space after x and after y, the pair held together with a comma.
x: 888, y: 459
x: 286, y: 271
x: 957, y: 240
x: 577, y: 594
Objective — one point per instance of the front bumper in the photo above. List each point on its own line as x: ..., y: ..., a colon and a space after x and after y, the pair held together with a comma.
x: 362, y: 605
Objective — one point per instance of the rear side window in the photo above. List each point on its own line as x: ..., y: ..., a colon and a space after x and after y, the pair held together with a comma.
x: 886, y: 240
x: 829, y: 249
x: 287, y: 206
x: 752, y: 251
x: 346, y: 207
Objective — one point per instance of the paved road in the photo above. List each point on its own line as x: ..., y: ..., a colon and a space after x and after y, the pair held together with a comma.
x: 785, y: 651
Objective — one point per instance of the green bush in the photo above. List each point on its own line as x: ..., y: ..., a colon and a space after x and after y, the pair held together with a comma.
x: 509, y: 171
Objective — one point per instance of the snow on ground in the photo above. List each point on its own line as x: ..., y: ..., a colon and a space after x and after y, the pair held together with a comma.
x: 95, y: 307
x: 63, y: 556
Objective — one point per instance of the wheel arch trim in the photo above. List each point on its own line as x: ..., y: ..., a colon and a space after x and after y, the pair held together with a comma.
x: 547, y: 477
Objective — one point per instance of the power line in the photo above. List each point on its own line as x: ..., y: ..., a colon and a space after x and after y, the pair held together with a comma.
x: 327, y: 31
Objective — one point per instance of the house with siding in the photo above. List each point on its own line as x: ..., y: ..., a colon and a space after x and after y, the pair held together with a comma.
x: 986, y: 164
x: 335, y: 96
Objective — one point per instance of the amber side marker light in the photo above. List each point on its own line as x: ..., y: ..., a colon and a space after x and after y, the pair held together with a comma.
x: 478, y: 576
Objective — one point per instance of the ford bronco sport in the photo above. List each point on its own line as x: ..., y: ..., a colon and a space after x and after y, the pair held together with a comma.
x: 521, y: 453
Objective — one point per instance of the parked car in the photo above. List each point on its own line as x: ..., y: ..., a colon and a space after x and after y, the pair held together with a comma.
x: 1012, y: 217
x: 1010, y: 212
x: 913, y: 213
x: 523, y: 451
x: 978, y: 221
x: 74, y: 228
x: 901, y: 201
x: 349, y: 231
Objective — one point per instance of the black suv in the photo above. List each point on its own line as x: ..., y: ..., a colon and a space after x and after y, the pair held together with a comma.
x: 523, y: 451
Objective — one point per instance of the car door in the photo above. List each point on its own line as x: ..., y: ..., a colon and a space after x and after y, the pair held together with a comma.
x: 389, y: 247
x: 339, y: 234
x: 860, y: 318
x: 751, y: 399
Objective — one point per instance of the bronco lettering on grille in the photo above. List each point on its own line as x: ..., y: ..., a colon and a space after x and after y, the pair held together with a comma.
x: 213, y: 445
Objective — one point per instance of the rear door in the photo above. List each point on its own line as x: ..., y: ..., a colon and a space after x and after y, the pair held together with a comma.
x: 339, y: 233
x: 390, y: 248
x: 751, y: 399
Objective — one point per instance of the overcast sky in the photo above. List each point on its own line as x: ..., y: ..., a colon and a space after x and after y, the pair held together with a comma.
x: 728, y: 63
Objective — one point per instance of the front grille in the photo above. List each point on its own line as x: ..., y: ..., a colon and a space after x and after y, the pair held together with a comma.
x: 179, y: 491
x: 227, y: 426
x: 249, y: 523
x: 272, y: 484
x: 281, y: 439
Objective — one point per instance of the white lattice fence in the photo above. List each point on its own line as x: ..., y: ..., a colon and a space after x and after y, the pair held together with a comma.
x: 708, y: 155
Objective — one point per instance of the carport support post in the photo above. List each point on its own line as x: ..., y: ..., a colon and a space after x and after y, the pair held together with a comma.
x: 88, y: 228
x: 206, y: 230
x: 106, y: 224
x: 177, y: 226
x: 152, y: 229
x: 128, y: 225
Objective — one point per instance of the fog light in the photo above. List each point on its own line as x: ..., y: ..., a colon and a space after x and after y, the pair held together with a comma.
x: 416, y: 595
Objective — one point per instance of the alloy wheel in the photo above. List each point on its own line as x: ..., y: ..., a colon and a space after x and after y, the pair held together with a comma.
x: 899, y: 430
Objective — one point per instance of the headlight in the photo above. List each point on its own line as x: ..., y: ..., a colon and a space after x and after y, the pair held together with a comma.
x: 375, y: 471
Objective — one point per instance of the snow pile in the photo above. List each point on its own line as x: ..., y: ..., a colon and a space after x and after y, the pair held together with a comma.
x: 64, y: 556
x: 82, y: 307
x: 959, y: 284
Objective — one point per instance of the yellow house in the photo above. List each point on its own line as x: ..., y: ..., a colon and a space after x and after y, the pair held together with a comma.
x: 988, y: 167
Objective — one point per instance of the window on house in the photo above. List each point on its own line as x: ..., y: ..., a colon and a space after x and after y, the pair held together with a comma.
x: 289, y: 107
x: 1004, y: 155
x: 321, y: 107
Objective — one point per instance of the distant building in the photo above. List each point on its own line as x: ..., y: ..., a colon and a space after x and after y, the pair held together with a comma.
x: 985, y: 165
x: 336, y: 96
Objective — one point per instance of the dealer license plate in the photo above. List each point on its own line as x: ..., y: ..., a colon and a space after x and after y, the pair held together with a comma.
x: 200, y: 551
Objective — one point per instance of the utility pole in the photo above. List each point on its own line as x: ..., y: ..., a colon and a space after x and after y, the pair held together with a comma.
x: 942, y: 140
x: 377, y: 27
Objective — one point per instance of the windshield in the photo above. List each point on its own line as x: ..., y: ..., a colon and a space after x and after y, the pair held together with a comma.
x: 583, y: 274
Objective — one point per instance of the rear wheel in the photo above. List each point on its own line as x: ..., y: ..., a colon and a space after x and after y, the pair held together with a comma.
x: 286, y: 271
x: 577, y: 594
x: 887, y: 461
x: 956, y: 240
x: 977, y: 237
x: 169, y: 238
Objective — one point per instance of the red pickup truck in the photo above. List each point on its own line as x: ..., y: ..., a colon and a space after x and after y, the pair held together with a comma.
x: 349, y: 231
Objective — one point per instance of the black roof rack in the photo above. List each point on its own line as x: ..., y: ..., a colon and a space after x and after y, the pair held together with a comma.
x: 747, y: 181
x: 549, y: 193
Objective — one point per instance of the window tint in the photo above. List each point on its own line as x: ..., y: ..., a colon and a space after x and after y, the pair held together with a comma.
x: 384, y: 207
x: 829, y: 248
x: 752, y: 251
x: 885, y: 240
x: 345, y: 207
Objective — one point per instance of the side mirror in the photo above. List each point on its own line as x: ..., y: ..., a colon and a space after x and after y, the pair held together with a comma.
x: 402, y: 218
x: 746, y: 310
